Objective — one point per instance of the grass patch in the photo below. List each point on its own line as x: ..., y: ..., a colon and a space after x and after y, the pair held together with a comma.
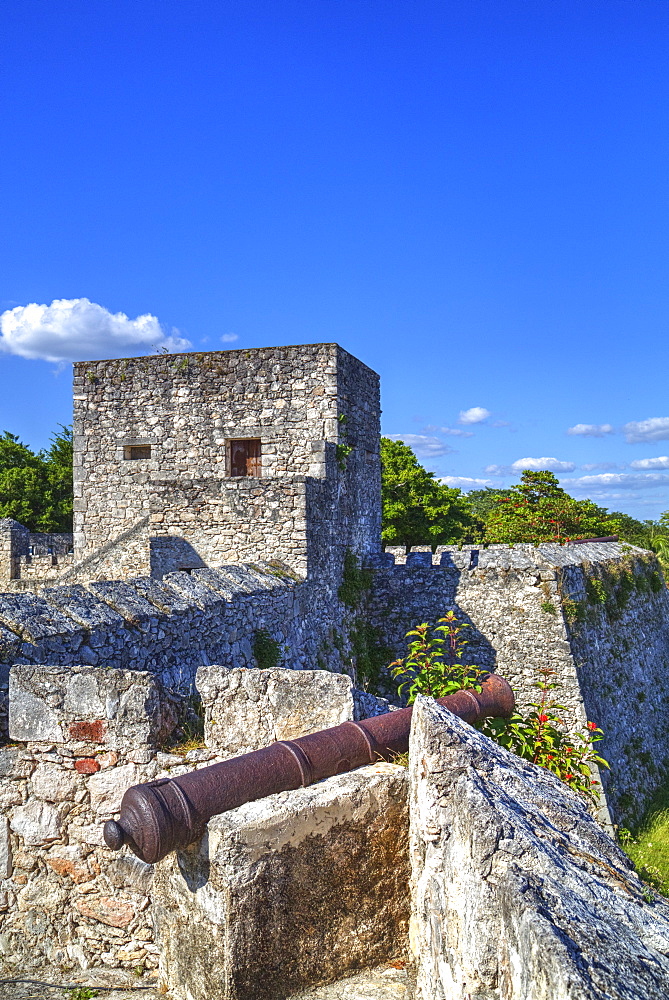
x: 647, y: 846
x: 189, y: 732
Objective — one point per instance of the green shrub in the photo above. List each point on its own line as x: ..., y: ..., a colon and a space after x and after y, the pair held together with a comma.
x: 266, y: 650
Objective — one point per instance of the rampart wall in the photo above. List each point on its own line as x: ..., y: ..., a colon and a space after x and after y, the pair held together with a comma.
x: 173, y: 626
x: 596, y: 614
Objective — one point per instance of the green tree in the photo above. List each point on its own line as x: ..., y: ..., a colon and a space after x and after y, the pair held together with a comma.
x: 57, y: 503
x: 539, y: 510
x: 417, y: 509
x: 36, y: 488
x: 483, y: 502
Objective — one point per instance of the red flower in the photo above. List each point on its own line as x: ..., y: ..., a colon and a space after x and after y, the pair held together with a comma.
x: 543, y: 718
x: 568, y: 776
x: 592, y: 726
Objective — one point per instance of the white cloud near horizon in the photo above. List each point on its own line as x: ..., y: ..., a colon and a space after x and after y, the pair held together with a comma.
x: 81, y: 330
x: 465, y: 483
x: 591, y: 430
x: 424, y: 445
x: 229, y: 338
x: 617, y: 480
x: 541, y: 464
x: 474, y: 415
x: 651, y: 463
x: 653, y: 429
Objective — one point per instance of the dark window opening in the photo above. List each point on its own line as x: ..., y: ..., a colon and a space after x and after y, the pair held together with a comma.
x: 133, y: 452
x: 245, y: 457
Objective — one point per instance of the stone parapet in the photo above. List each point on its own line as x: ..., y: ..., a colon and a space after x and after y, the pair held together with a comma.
x: 298, y: 888
x: 246, y: 710
x: 517, y: 892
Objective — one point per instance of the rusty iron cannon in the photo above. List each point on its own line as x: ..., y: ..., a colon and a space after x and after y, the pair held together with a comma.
x: 169, y: 814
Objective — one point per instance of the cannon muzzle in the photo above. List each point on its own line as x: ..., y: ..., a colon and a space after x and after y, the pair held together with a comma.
x: 171, y: 813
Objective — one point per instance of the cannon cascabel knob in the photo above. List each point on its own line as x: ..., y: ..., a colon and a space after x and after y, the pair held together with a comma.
x: 114, y: 835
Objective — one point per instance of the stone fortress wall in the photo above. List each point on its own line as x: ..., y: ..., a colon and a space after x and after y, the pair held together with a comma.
x: 179, y: 566
x: 597, y: 614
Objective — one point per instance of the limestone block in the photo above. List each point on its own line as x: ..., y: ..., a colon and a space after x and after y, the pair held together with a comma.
x: 112, y: 911
x: 53, y: 783
x: 112, y: 707
x: 69, y: 861
x: 249, y: 709
x: 294, y: 889
x: 37, y: 822
x: 517, y: 892
x: 5, y: 849
x: 107, y: 787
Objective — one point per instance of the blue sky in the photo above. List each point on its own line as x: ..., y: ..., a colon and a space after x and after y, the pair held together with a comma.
x: 471, y: 197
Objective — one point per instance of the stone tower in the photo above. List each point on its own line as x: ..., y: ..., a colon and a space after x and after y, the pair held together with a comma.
x: 183, y: 461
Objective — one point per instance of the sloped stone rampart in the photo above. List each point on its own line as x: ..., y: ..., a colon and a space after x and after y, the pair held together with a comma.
x: 296, y: 889
x: 173, y: 626
x: 597, y: 614
x: 517, y: 893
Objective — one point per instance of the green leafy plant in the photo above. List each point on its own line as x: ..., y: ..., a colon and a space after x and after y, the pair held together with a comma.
x: 548, y: 607
x: 370, y: 653
x: 541, y: 737
x: 433, y: 665
x: 266, y: 650
x: 342, y: 452
x: 36, y: 487
x: 355, y: 581
x: 82, y: 993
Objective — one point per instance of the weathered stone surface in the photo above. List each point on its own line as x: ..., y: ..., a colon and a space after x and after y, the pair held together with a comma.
x: 53, y: 783
x: 249, y: 709
x: 387, y: 983
x: 295, y: 889
x: 518, y: 893
x: 114, y: 912
x: 594, y: 613
x: 107, y: 787
x: 37, y: 822
x: 5, y: 849
x: 69, y: 861
x: 118, y: 708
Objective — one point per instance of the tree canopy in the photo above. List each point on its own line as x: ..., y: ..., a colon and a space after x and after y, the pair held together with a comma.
x: 537, y: 509
x: 417, y: 509
x: 36, y: 487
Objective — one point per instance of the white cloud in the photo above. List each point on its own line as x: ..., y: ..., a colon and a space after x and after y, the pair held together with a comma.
x: 604, y: 466
x: 474, y: 415
x: 618, y: 481
x: 541, y: 464
x: 81, y: 330
x: 451, y: 431
x: 425, y: 446
x: 464, y: 483
x: 498, y: 470
x: 229, y: 338
x: 591, y: 430
x: 653, y: 429
x: 456, y: 432
x: 651, y: 463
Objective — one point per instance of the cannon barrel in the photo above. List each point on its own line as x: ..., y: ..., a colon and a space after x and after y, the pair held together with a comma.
x: 168, y: 814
